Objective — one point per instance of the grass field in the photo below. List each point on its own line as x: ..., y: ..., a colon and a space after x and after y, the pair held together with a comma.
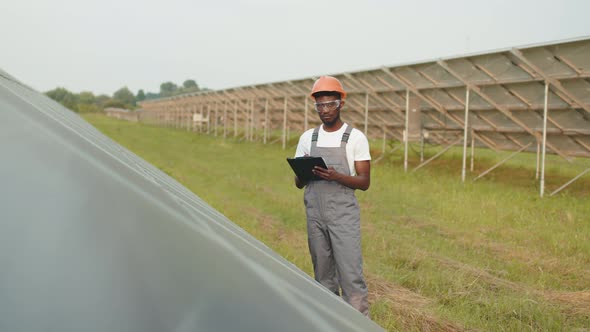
x: 439, y: 255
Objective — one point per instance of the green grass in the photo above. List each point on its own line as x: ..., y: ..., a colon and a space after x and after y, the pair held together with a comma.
x: 439, y: 254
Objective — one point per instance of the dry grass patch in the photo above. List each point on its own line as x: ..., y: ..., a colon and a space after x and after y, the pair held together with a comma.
x: 576, y: 303
x: 409, y: 308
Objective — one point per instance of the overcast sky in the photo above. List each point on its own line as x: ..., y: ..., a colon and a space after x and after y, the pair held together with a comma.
x: 101, y: 46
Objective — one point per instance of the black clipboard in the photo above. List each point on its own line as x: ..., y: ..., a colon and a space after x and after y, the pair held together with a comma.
x: 303, y: 166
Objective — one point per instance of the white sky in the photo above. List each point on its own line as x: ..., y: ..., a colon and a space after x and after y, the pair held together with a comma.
x: 101, y: 46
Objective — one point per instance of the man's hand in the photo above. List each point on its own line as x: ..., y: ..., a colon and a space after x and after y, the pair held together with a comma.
x: 329, y: 174
x: 361, y: 181
x: 299, y: 184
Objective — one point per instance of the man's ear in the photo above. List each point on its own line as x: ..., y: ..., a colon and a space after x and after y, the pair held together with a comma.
x: 342, y: 103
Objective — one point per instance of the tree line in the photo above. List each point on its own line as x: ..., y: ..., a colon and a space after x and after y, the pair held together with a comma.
x: 87, y: 101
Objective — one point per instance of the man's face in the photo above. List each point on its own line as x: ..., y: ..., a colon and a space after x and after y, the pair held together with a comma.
x: 328, y: 108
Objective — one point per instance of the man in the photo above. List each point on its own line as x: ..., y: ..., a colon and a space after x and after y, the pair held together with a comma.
x: 333, y: 214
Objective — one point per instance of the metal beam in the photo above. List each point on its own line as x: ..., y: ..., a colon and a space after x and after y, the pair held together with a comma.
x: 544, y: 142
x: 406, y: 134
x: 556, y: 84
x: 502, y: 161
x: 437, y: 155
x: 569, y: 182
x: 499, y: 107
x: 465, y: 134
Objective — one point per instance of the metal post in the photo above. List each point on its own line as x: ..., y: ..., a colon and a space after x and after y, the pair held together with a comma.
x: 384, y: 140
x: 285, y: 124
x: 366, y: 112
x: 266, y: 120
x: 472, y: 149
x: 216, y: 117
x: 246, y: 121
x: 225, y: 119
x: 208, y: 119
x: 421, y: 147
x: 406, y: 131
x: 252, y: 122
x: 201, y: 120
x: 235, y: 118
x: 538, y: 161
x: 466, y: 124
x: 544, y: 147
x: 188, y: 117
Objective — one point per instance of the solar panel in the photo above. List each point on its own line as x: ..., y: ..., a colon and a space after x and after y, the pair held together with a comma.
x: 505, y: 107
x: 93, y: 238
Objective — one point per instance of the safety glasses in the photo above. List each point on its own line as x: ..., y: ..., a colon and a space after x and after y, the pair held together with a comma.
x: 327, y: 106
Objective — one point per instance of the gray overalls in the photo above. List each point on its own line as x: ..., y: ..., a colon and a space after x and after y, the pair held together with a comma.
x: 333, y: 229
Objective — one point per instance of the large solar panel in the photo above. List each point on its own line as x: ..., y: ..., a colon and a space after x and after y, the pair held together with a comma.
x: 94, y: 238
x: 505, y: 107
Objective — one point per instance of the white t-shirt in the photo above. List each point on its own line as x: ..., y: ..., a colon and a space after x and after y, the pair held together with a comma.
x: 357, y: 148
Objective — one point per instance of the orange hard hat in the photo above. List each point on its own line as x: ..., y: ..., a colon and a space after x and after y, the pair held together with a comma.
x: 328, y: 83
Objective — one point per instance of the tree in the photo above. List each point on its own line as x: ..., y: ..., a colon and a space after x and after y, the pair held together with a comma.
x: 64, y: 97
x: 86, y: 97
x: 190, y: 84
x: 115, y: 103
x: 152, y: 95
x: 125, y: 96
x: 102, y: 99
x: 140, y: 95
x: 167, y: 89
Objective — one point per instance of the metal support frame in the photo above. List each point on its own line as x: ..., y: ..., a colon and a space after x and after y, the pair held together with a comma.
x: 472, y: 150
x: 247, y: 120
x: 538, y: 159
x: 491, y: 101
x: 502, y: 161
x: 265, y: 120
x: 437, y: 155
x: 421, y: 146
x: 224, y: 119
x: 387, y: 88
x: 251, y: 121
x: 554, y: 82
x: 216, y: 118
x: 384, y: 140
x: 202, y: 112
x: 544, y: 144
x: 406, y: 131
x: 466, y: 125
x: 235, y: 118
x: 390, y: 151
x: 208, y: 119
x: 569, y: 182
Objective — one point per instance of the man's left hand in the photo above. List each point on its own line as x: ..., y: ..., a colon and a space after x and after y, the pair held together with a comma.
x: 329, y: 174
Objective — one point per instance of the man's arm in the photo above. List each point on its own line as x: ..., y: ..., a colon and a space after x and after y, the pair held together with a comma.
x: 361, y: 181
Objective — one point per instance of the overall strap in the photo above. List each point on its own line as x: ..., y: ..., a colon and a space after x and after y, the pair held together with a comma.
x: 346, y: 136
x: 314, y: 137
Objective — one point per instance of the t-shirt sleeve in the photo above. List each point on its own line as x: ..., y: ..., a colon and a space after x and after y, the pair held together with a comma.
x: 361, y: 148
x: 304, y: 145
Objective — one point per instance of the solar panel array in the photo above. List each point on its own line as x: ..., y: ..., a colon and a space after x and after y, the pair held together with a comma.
x: 115, y: 244
x: 505, y: 106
